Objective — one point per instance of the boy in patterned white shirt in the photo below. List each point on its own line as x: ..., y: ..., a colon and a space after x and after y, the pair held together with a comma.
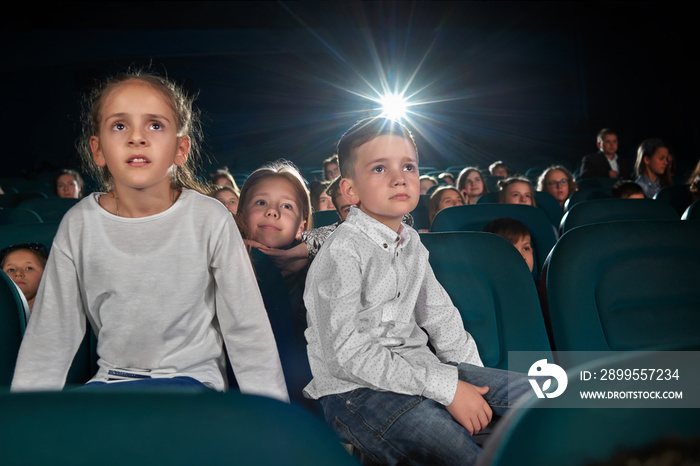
x: 373, y: 305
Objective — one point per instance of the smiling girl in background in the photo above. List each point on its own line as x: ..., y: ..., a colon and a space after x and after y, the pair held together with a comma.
x: 158, y: 269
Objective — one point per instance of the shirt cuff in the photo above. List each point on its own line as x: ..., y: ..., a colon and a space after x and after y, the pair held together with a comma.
x: 441, y: 385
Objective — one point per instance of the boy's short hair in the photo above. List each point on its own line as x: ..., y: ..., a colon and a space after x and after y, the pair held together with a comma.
x: 625, y: 188
x: 604, y: 132
x: 364, y: 131
x: 497, y: 164
x: 333, y: 190
x: 511, y: 229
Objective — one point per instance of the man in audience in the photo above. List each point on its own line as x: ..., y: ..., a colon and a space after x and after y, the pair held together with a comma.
x: 605, y: 163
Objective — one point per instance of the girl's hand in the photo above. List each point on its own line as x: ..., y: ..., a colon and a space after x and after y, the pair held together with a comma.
x: 288, y: 261
x: 469, y: 407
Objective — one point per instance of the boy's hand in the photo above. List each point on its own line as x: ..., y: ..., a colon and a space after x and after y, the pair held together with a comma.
x: 469, y: 407
x: 287, y: 261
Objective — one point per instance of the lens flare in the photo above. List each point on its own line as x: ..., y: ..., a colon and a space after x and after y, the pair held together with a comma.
x: 394, y: 106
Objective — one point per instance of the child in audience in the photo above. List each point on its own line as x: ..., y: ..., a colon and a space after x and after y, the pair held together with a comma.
x: 374, y: 305
x: 471, y: 184
x: 223, y: 177
x: 427, y: 182
x: 275, y: 206
x: 516, y: 190
x: 557, y: 181
x: 275, y: 209
x: 518, y: 235
x: 330, y: 168
x: 625, y: 189
x: 652, y: 160
x: 68, y: 184
x: 158, y: 269
x: 444, y: 196
x: 24, y: 264
x: 499, y: 168
x: 446, y: 178
x: 227, y: 195
x: 320, y: 200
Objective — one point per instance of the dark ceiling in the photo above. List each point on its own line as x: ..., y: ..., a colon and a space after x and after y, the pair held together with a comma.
x: 528, y: 82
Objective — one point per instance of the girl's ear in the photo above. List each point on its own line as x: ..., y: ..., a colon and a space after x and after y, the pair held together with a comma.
x: 183, y: 150
x: 348, y: 189
x: 302, y: 227
x: 97, y: 154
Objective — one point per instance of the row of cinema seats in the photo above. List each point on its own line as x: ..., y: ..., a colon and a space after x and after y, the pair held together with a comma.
x: 37, y: 210
x: 148, y: 428
x: 490, y: 284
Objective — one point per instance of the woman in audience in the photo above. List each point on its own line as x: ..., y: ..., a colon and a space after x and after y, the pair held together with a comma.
x: 320, y: 200
x: 516, y: 190
x: 68, y: 184
x: 155, y: 266
x: 652, y: 161
x: 444, y: 196
x: 24, y: 264
x: 557, y: 181
x: 471, y: 184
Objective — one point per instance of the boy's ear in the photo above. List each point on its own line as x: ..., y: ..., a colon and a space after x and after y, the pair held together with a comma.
x: 347, y: 187
x: 183, y: 150
x: 97, y: 154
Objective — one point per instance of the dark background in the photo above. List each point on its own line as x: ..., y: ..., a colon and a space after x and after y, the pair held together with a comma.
x: 526, y: 82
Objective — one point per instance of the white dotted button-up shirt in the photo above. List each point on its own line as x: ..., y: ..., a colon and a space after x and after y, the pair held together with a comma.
x: 372, y: 303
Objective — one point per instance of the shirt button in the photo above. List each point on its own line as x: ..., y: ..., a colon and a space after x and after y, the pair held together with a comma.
x: 385, y: 245
x: 398, y: 295
x: 398, y: 238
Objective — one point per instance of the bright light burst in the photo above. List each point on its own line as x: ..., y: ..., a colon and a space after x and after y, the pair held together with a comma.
x: 394, y: 106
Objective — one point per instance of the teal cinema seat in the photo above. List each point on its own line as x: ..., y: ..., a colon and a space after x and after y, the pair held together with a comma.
x: 692, y: 212
x: 624, y: 286
x: 611, y: 210
x: 162, y: 427
x: 324, y: 217
x: 679, y: 197
x: 13, y: 308
x: 476, y: 216
x: 541, y: 432
x: 11, y: 216
x: 489, y: 282
x: 50, y: 209
x: 545, y: 201
x: 583, y: 195
x: 421, y: 214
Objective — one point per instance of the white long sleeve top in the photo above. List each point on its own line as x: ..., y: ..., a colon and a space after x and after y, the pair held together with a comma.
x: 162, y: 293
x: 371, y: 296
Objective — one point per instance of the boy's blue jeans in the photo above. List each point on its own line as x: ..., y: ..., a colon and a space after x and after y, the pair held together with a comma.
x: 389, y: 428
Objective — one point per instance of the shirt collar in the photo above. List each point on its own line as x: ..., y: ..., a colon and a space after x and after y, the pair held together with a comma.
x: 379, y: 233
